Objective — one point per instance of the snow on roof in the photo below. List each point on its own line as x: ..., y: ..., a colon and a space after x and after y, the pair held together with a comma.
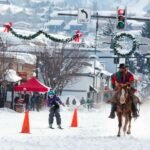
x: 23, y: 57
x: 105, y: 72
x: 22, y: 24
x: 135, y: 23
x: 54, y: 22
x: 12, y: 8
x: 72, y: 23
x: 90, y: 69
x: 133, y: 32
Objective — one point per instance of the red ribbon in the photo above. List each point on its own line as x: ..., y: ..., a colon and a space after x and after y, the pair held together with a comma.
x: 7, y: 27
x: 77, y: 36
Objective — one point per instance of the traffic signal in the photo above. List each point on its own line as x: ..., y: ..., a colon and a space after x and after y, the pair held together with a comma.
x: 121, y: 18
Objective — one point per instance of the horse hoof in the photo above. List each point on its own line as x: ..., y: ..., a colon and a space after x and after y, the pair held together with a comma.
x: 128, y: 132
x: 118, y: 135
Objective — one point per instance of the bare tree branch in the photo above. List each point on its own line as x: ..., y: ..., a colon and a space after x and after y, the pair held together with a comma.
x: 57, y: 69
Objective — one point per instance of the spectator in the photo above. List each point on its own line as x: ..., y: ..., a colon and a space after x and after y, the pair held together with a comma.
x: 74, y: 101
x: 68, y: 102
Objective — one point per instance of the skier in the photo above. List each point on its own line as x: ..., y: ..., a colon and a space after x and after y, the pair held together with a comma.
x: 54, y: 103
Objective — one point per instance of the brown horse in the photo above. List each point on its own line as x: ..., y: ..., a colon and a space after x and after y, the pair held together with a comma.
x: 124, y: 110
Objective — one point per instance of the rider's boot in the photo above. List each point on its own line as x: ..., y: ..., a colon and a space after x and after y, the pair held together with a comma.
x: 112, y: 113
x: 134, y: 110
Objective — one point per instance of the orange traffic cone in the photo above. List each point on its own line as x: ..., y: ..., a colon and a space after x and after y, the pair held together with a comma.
x: 74, y: 119
x: 26, y: 125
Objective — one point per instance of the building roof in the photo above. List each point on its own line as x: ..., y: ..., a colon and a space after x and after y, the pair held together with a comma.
x: 72, y: 23
x: 54, y: 23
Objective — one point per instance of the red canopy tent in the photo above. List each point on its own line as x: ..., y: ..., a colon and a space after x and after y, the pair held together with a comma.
x: 32, y: 84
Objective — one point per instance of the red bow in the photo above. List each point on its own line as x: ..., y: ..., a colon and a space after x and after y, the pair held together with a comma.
x: 77, y: 36
x: 7, y: 27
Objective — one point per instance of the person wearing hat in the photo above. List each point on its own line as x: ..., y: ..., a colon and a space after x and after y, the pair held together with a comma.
x: 122, y: 78
x: 54, y: 103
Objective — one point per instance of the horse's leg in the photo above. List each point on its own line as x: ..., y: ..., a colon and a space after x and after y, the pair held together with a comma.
x: 119, y: 123
x: 129, y: 126
x: 125, y: 123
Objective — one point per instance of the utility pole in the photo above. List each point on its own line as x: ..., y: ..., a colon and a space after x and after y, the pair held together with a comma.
x: 96, y: 31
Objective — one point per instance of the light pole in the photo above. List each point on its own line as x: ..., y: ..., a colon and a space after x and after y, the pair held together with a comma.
x: 95, y: 47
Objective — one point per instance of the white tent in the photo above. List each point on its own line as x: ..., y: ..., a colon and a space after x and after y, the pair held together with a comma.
x: 11, y: 76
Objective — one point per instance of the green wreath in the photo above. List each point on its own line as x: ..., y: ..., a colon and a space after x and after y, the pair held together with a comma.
x: 116, y: 44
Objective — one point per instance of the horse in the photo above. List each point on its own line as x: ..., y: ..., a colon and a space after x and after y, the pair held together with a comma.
x: 124, y: 110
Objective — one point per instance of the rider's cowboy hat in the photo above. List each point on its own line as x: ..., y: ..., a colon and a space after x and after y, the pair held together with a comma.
x: 122, y: 66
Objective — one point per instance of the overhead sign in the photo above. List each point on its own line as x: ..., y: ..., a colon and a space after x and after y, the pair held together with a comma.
x: 84, y: 15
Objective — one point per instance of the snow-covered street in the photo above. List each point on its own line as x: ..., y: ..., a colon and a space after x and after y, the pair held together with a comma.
x: 95, y: 131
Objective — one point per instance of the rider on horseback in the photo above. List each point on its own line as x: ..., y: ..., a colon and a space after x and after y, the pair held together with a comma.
x: 123, y: 78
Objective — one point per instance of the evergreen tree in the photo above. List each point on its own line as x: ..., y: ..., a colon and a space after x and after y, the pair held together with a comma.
x: 146, y: 29
x: 109, y: 28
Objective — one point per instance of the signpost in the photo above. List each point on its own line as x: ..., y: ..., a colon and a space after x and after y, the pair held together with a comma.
x: 84, y: 15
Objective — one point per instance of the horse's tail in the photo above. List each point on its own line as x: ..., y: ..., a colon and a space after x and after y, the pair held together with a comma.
x: 138, y: 108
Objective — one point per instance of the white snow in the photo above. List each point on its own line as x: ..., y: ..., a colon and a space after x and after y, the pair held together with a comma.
x: 54, y: 22
x: 12, y: 9
x: 135, y: 23
x: 95, y: 131
x: 22, y: 57
x: 11, y: 76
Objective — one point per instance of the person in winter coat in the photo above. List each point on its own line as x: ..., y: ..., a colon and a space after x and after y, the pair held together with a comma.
x: 54, y: 103
x: 123, y: 78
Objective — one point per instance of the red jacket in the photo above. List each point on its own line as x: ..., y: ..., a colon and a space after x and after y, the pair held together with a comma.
x: 122, y: 78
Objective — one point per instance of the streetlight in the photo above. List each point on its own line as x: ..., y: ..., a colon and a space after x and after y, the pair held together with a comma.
x: 93, y: 57
x: 95, y: 47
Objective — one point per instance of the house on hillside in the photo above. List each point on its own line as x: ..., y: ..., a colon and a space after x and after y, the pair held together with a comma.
x: 55, y: 26
x: 73, y: 26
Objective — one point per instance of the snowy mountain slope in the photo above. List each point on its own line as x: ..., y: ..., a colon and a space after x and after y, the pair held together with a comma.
x: 37, y: 12
x: 136, y: 5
